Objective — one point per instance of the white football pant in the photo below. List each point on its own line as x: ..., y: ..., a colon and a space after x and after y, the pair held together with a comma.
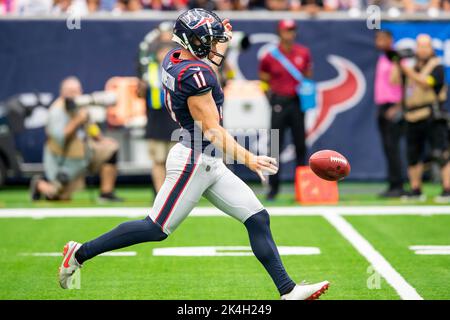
x: 191, y: 175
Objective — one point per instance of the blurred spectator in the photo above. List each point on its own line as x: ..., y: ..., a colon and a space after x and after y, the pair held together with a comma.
x: 386, y: 4
x: 336, y: 5
x: 128, y: 5
x: 29, y: 7
x: 7, y: 6
x: 93, y: 5
x: 219, y: 4
x: 43, y: 7
x: 277, y: 5
x: 281, y: 88
x: 73, y: 149
x: 61, y: 6
x: 412, y: 6
x: 445, y: 5
x: 164, y: 4
x: 205, y: 4
x: 388, y: 100
x: 227, y: 5
x: 107, y: 5
x: 311, y: 6
x: 256, y: 4
x: 34, y: 7
x: 81, y: 7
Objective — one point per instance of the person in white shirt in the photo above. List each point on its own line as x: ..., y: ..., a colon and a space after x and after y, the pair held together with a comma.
x: 33, y: 7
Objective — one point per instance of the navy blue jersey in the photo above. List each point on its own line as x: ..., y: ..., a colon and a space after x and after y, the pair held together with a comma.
x: 182, y: 79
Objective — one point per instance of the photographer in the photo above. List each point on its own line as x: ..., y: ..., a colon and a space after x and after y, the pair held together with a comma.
x: 74, y: 148
x: 426, y: 121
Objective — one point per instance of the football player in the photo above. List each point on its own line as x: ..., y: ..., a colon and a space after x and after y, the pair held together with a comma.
x: 194, y: 99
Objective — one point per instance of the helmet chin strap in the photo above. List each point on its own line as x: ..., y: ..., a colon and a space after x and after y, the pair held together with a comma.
x: 216, y: 54
x: 184, y: 43
x: 188, y: 45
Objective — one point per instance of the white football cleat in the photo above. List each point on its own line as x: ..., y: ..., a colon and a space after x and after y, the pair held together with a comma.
x: 69, y: 264
x: 307, y: 291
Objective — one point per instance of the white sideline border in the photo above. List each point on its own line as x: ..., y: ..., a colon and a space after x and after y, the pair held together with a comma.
x: 88, y: 212
x: 334, y: 215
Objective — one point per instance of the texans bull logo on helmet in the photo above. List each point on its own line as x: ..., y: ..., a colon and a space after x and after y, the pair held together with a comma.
x: 196, y: 30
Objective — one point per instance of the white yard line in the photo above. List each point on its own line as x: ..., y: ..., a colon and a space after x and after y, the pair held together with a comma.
x: 379, y: 263
x: 229, y: 251
x: 59, y: 254
x: 431, y: 250
x: 39, y: 213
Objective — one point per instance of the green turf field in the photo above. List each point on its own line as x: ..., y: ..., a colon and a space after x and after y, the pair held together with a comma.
x: 146, y: 276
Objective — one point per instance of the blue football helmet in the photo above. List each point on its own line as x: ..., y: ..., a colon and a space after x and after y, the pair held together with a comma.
x: 196, y: 29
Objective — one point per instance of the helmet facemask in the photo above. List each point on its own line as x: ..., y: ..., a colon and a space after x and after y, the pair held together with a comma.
x: 211, y: 42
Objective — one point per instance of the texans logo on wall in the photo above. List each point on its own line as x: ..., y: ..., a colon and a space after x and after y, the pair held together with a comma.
x: 334, y: 96
x: 345, y: 116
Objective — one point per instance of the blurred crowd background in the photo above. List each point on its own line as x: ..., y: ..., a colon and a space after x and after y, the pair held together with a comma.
x: 84, y: 7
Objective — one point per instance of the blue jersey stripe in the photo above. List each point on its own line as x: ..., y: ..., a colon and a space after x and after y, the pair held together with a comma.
x: 177, y: 189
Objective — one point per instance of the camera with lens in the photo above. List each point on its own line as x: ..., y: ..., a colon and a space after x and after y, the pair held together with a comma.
x: 397, y: 55
x: 63, y: 178
x: 97, y: 98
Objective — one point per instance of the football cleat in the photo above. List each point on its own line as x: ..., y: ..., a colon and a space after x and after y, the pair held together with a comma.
x: 307, y: 291
x: 69, y: 265
x: 444, y: 197
x: 414, y: 195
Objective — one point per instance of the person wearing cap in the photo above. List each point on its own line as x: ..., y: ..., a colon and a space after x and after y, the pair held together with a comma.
x: 281, y: 89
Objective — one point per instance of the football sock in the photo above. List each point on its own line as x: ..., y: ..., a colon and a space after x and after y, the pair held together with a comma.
x: 265, y: 250
x: 124, y: 235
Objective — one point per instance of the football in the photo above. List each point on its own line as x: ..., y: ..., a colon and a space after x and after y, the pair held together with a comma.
x: 329, y: 165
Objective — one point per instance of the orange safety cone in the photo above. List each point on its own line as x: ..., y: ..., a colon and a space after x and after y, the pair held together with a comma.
x: 310, y: 189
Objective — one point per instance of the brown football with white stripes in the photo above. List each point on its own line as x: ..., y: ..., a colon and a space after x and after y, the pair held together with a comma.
x: 329, y: 165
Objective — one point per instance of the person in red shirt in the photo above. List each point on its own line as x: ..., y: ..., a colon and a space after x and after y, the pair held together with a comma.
x: 281, y: 91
